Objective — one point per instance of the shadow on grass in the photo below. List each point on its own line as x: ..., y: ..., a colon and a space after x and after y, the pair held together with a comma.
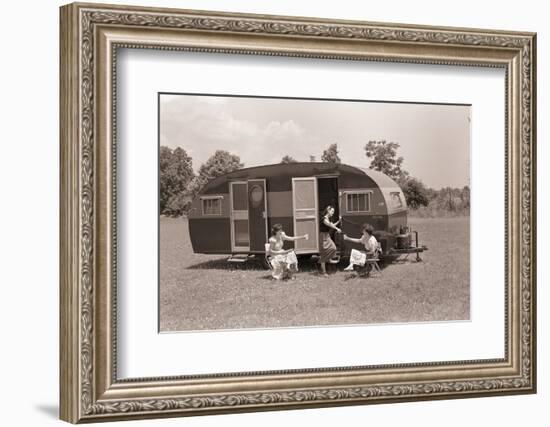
x: 250, y: 265
x: 223, y: 264
x: 309, y: 266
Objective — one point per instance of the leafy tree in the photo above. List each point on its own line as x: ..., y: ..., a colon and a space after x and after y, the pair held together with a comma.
x: 220, y: 163
x: 431, y: 194
x: 415, y: 192
x: 165, y: 158
x: 452, y: 197
x: 330, y: 155
x: 178, y: 204
x: 288, y: 159
x: 176, y: 172
x: 465, y: 197
x: 450, y: 200
x: 384, y: 158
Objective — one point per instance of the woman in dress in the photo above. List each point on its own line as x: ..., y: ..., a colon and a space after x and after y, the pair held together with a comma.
x: 327, y: 245
x: 284, y: 261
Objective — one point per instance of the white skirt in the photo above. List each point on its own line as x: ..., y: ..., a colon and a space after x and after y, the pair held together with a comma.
x: 357, y: 257
x: 282, y: 263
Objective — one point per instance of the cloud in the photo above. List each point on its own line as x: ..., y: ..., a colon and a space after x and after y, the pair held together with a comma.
x: 202, y: 127
x: 434, y: 139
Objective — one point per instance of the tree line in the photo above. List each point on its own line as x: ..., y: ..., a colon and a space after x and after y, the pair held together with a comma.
x: 422, y: 200
x: 179, y: 184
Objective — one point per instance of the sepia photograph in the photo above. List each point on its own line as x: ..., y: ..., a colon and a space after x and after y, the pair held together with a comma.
x: 300, y: 212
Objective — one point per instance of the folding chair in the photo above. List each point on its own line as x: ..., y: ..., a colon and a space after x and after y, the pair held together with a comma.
x: 373, y: 262
x: 268, y: 256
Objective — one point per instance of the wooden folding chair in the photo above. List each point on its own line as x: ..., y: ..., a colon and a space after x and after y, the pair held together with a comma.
x: 268, y: 256
x: 373, y: 262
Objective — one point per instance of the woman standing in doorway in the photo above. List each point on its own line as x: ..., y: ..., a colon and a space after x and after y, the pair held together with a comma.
x: 327, y: 245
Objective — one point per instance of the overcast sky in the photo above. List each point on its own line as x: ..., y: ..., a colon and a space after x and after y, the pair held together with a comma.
x: 434, y: 139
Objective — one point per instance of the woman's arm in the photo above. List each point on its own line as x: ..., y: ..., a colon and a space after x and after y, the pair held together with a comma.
x: 351, y: 239
x: 329, y: 224
x: 293, y: 239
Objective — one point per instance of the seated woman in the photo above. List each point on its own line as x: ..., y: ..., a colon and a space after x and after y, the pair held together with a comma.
x: 368, y: 241
x: 284, y: 261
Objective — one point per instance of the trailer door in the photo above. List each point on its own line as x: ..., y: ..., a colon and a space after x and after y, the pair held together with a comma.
x: 257, y: 214
x: 306, y: 214
x: 240, y: 236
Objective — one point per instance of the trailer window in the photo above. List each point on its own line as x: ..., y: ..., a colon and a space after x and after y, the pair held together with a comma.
x: 396, y: 200
x: 212, y: 206
x: 358, y: 202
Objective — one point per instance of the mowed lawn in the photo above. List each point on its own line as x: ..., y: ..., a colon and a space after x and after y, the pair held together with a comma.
x: 206, y: 292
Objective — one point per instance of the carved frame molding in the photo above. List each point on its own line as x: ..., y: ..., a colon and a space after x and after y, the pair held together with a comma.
x: 89, y: 387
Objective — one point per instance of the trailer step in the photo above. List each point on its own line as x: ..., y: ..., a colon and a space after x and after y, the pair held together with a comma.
x: 240, y: 258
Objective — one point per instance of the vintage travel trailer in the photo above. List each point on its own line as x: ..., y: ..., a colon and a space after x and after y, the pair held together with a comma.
x: 233, y: 213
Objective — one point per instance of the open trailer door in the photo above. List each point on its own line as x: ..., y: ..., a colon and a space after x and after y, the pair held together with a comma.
x: 306, y: 214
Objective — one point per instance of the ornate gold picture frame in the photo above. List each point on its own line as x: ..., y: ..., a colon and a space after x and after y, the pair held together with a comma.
x: 90, y: 37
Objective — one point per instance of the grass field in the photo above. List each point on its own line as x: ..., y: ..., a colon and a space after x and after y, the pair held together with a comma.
x: 205, y: 292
